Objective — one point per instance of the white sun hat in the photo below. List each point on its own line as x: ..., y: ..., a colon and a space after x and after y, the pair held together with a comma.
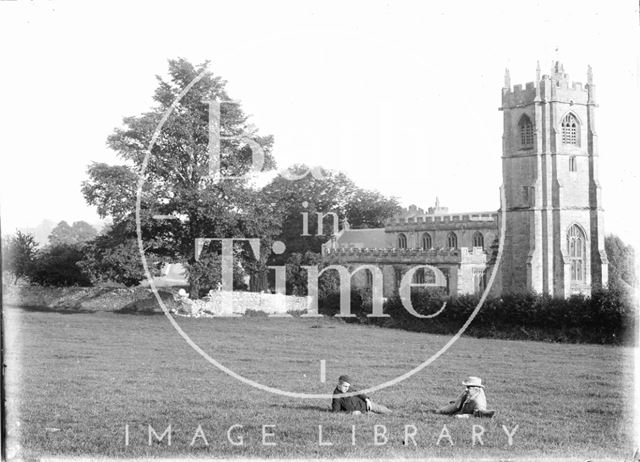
x: 473, y: 382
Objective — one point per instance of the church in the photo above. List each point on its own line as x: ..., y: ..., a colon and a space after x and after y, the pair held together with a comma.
x: 554, y: 235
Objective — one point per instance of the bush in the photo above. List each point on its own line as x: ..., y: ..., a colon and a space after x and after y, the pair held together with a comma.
x: 57, y: 265
x: 114, y: 257
x: 120, y: 263
x: 608, y: 316
x: 329, y: 304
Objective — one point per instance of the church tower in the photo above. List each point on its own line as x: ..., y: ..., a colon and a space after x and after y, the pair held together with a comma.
x: 554, y: 241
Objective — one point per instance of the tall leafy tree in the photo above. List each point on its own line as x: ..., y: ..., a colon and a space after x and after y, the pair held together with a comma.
x: 370, y: 209
x: 333, y: 193
x: 83, y: 232
x: 62, y: 234
x: 177, y: 181
x: 18, y: 254
x: 77, y: 234
x: 621, y: 262
x: 291, y: 199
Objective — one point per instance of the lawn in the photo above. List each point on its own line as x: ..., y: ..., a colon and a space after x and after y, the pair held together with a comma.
x: 76, y: 381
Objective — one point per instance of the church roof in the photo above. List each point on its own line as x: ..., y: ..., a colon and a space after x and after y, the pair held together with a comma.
x: 372, y: 237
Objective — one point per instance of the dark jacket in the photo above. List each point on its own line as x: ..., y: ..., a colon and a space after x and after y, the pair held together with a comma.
x: 349, y: 403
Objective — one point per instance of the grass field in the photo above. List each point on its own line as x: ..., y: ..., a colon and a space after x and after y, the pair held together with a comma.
x: 75, y: 380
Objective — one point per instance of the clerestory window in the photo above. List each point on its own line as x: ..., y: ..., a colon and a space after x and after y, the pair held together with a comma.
x: 452, y: 240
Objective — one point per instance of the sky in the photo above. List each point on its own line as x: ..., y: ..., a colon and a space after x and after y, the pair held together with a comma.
x: 403, y: 96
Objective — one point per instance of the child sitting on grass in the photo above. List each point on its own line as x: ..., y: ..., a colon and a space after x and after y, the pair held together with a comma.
x: 471, y: 402
x: 357, y: 404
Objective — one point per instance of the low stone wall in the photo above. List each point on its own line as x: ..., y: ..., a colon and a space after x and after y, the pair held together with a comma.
x: 238, y: 303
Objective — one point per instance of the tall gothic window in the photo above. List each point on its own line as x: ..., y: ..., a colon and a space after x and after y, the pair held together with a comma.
x: 402, y: 241
x: 445, y: 273
x: 478, y: 280
x: 418, y: 276
x: 397, y: 273
x: 570, y: 129
x: 576, y: 243
x: 478, y: 239
x: 369, y: 278
x: 426, y: 241
x: 526, y: 132
x: 452, y: 240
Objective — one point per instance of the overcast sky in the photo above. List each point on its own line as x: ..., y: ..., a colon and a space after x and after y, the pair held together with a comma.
x: 402, y: 96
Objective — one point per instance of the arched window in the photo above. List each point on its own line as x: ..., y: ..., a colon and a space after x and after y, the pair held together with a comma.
x: 526, y: 132
x: 397, y: 272
x: 570, y: 130
x: 478, y: 280
x: 369, y: 278
x: 573, y: 164
x: 426, y: 241
x: 576, y: 246
x: 418, y: 276
x: 478, y: 239
x: 402, y: 241
x: 452, y: 240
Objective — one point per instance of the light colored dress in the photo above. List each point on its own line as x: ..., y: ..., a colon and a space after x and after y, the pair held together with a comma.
x: 471, y: 400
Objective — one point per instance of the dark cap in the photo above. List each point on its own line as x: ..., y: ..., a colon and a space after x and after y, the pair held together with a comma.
x: 344, y: 378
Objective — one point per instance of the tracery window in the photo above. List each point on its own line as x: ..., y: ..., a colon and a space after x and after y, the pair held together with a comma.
x: 478, y: 280
x: 369, y: 278
x: 402, y: 241
x: 426, y: 241
x: 570, y: 127
x: 576, y: 246
x: 397, y: 277
x: 478, y: 239
x: 526, y: 132
x: 452, y: 240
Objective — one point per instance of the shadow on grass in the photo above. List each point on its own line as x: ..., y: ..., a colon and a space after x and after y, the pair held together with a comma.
x: 303, y: 407
x: 147, y: 306
x: 53, y: 309
x: 135, y: 311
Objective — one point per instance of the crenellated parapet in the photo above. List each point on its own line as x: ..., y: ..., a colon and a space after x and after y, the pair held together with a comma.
x: 395, y: 255
x: 450, y: 218
x: 392, y: 251
x: 555, y: 86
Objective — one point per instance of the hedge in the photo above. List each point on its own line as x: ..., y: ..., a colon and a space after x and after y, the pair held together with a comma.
x: 606, y: 317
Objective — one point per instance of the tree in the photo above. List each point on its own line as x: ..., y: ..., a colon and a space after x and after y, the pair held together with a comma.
x: 112, y: 189
x: 621, y: 262
x: 83, y: 232
x: 18, y: 254
x: 62, y: 234
x: 334, y: 193
x: 177, y: 181
x: 370, y: 209
x: 77, y: 234
x: 288, y: 199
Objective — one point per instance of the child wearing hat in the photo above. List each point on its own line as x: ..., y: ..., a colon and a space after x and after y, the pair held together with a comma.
x: 471, y: 402
x: 357, y: 404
